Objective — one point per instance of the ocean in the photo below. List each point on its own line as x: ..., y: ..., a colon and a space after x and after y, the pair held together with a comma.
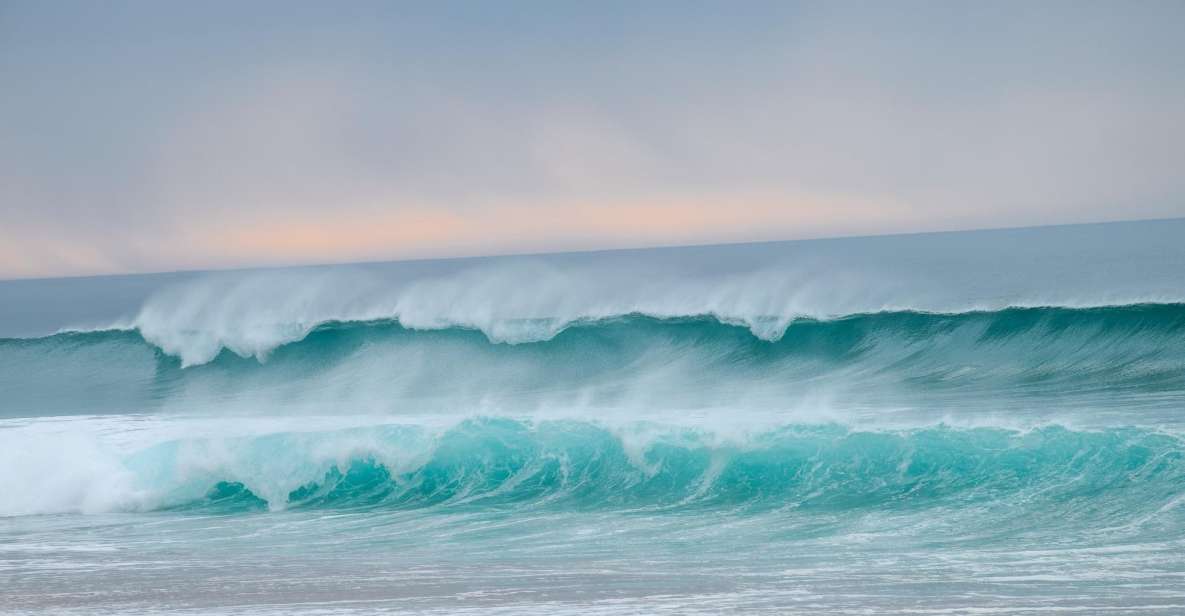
x: 984, y: 422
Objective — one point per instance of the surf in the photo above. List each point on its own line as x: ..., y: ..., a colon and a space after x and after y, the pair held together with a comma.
x: 505, y: 464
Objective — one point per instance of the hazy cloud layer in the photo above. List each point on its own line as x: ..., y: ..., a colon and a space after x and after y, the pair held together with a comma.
x: 141, y: 136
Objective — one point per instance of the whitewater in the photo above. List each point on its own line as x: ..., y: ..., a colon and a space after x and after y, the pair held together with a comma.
x: 988, y: 422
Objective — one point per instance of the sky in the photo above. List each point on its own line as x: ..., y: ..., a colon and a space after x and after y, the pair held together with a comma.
x: 156, y: 136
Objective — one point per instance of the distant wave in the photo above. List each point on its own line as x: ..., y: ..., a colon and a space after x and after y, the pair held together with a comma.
x: 1138, y: 330
x: 195, y: 346
x: 1034, y: 357
x: 252, y: 314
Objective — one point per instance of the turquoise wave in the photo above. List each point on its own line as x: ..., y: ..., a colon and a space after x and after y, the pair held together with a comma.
x: 1104, y: 478
x: 1093, y: 357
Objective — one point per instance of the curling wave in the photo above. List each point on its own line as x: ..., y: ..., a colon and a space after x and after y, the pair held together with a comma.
x: 1112, y: 476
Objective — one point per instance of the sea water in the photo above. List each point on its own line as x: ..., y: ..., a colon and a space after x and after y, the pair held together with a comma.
x: 963, y: 423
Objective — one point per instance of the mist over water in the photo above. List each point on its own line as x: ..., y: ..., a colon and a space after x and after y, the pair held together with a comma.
x: 950, y: 423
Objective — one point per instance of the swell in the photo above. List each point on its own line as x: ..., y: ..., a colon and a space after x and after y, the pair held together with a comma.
x: 1105, y: 477
x: 1045, y: 354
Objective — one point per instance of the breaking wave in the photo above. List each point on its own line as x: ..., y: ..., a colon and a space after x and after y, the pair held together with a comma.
x: 1111, y: 476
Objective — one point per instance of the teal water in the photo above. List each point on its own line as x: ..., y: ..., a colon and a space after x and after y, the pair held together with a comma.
x: 275, y: 442
x: 563, y: 466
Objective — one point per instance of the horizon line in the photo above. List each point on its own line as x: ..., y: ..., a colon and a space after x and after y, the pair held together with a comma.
x: 590, y: 251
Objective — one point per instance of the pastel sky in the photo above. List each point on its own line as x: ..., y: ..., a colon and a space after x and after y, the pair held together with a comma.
x: 151, y: 136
